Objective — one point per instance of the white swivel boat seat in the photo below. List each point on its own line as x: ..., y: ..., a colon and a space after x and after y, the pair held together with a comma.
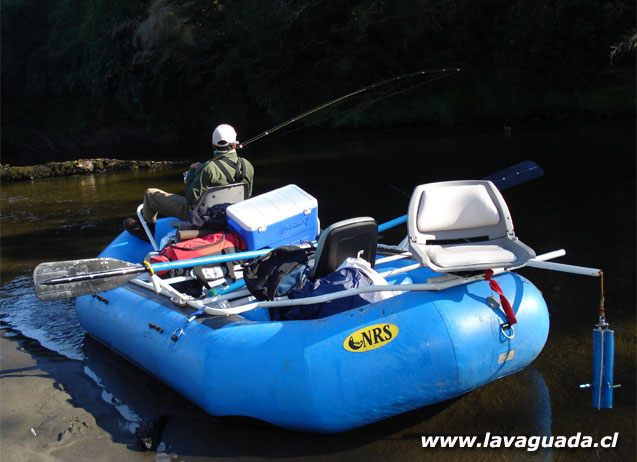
x: 463, y: 226
x: 213, y: 195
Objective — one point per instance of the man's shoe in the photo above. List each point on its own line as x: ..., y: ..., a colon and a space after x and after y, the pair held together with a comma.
x: 134, y: 227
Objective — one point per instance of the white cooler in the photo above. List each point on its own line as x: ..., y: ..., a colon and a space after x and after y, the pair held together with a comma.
x: 285, y: 216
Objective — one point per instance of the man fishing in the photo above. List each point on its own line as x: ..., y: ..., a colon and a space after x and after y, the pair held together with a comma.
x: 225, y: 167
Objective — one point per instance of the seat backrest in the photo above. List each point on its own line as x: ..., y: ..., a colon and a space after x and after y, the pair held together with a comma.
x: 231, y: 193
x: 452, y: 210
x: 356, y: 237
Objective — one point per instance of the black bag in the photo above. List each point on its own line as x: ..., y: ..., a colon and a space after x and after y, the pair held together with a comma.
x: 343, y: 279
x: 278, y: 272
x: 213, y: 218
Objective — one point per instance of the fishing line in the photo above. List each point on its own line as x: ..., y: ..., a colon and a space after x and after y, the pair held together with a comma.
x: 397, y: 189
x: 357, y: 109
x: 360, y: 108
x: 444, y: 72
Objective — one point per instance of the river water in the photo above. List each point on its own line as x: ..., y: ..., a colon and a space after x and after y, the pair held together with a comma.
x: 585, y: 203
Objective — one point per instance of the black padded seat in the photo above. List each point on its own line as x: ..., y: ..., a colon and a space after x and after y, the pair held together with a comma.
x: 356, y: 237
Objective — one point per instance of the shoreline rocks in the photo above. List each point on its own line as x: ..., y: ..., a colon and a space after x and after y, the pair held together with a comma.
x: 76, y: 167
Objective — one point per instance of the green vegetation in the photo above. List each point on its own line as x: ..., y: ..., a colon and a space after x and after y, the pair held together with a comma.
x: 75, y: 167
x: 81, y: 73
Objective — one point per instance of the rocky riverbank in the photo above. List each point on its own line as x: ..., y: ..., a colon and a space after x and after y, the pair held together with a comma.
x: 76, y: 167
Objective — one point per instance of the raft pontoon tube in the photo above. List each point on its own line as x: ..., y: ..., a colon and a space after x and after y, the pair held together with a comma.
x: 437, y: 337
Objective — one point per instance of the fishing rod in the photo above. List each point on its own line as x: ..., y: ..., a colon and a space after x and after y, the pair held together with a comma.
x: 344, y: 97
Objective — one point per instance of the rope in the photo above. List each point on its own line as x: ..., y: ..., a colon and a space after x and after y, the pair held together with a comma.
x: 602, y: 310
x: 150, y: 269
x: 504, y: 302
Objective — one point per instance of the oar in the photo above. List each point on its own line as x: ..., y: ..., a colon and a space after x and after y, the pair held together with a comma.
x: 516, y: 174
x: 66, y: 279
x: 504, y: 179
x: 72, y: 278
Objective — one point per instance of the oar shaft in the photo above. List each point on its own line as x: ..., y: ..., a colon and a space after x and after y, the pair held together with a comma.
x: 92, y: 276
x: 392, y: 223
x: 201, y: 261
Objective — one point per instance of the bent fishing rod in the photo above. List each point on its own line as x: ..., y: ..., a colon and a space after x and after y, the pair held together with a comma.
x: 445, y: 71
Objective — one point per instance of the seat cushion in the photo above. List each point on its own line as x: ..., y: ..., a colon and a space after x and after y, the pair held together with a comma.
x: 467, y: 255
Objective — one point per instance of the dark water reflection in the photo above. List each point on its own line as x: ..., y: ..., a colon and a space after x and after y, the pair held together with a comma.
x: 585, y: 203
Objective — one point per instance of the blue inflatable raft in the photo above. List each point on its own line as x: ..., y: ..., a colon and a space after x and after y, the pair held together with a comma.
x: 333, y: 374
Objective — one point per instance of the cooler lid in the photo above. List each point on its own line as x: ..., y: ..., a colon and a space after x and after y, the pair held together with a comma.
x: 271, y: 207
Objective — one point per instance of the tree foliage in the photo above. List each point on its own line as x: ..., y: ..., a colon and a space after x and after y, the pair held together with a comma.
x: 75, y: 69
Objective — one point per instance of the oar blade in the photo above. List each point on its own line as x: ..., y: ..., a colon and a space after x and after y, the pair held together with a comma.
x: 504, y: 179
x: 515, y: 175
x: 72, y: 278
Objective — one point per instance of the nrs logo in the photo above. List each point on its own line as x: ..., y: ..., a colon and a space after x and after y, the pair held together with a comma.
x: 370, y: 338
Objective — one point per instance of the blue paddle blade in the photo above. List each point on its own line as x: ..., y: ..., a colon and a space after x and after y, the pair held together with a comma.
x: 504, y: 179
x: 515, y: 175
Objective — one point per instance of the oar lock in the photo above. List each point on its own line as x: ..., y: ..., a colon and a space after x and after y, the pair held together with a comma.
x: 148, y: 266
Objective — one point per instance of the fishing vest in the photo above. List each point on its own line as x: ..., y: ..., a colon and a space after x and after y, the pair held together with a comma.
x: 239, y: 169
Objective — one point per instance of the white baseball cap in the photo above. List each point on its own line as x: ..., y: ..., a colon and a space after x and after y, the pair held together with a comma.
x: 223, y: 136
